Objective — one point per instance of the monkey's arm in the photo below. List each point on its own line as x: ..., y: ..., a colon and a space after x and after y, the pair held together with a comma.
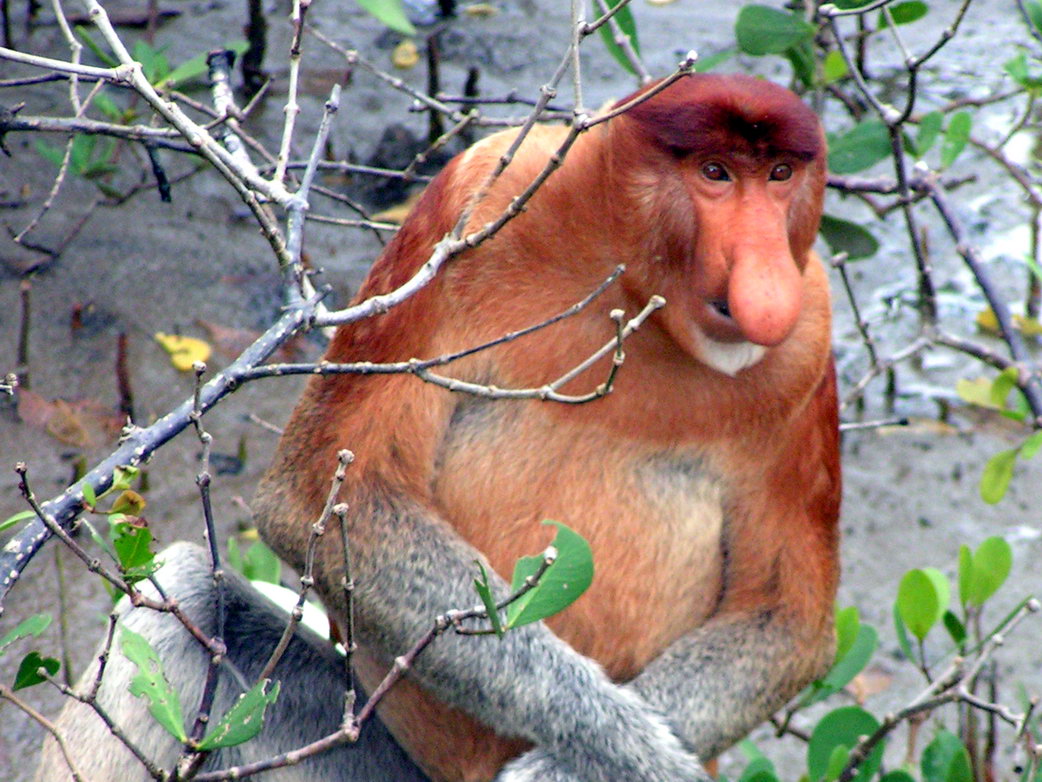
x: 529, y: 683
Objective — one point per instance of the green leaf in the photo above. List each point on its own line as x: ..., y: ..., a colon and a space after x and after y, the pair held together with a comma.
x: 976, y: 392
x: 834, y: 67
x: 992, y: 562
x: 390, y: 13
x: 84, y: 34
x: 955, y: 137
x: 842, y: 727
x: 89, y: 496
x: 854, y: 661
x: 902, y: 635
x: 845, y: 236
x: 801, y: 56
x: 154, y: 64
x: 122, y: 477
x: 965, y: 572
x: 132, y: 542
x: 945, y: 759
x: 562, y: 583
x: 244, y: 720
x: 761, y: 30
x: 704, y: 64
x: 998, y: 472
x: 629, y: 28
x: 485, y: 593
x: 956, y: 629
x: 848, y: 622
x: 28, y: 672
x: 1005, y: 382
x: 859, y: 148
x: 32, y: 626
x: 918, y: 602
x: 929, y: 130
x: 22, y: 515
x: 837, y: 760
x: 1017, y: 68
x: 904, y: 13
x: 1029, y: 448
x: 196, y: 67
x: 760, y: 769
x: 261, y: 564
x: 1034, y: 9
x: 897, y: 776
x: 163, y: 702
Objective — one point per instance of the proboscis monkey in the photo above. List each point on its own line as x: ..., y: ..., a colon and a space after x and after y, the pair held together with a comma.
x: 707, y: 482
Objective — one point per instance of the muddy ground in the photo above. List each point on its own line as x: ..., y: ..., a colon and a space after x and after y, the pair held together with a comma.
x: 911, y: 493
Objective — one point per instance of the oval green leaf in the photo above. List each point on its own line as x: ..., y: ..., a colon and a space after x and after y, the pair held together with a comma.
x: 761, y: 30
x: 244, y: 720
x: 628, y: 26
x: 845, y: 236
x: 861, y: 147
x: 955, y: 137
x: 163, y: 702
x: 843, y: 727
x: 918, y: 603
x: 904, y: 13
x: 991, y: 565
x: 390, y: 13
x: 29, y: 670
x: 998, y: 472
x: 32, y: 626
x: 562, y: 583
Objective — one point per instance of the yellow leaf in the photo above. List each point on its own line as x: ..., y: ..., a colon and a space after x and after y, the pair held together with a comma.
x: 976, y: 391
x: 986, y: 321
x: 480, y: 10
x: 129, y: 502
x: 405, y: 55
x: 184, y: 351
x: 1029, y: 327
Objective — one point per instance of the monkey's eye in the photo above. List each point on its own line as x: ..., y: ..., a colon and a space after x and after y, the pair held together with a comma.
x: 781, y: 172
x: 715, y: 172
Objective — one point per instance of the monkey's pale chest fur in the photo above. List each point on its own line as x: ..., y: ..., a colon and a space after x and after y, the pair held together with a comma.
x: 505, y: 467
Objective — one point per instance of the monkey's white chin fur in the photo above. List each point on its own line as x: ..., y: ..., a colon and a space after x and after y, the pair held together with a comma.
x: 728, y: 357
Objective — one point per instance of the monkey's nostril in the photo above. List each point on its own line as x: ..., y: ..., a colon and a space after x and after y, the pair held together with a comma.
x: 720, y: 305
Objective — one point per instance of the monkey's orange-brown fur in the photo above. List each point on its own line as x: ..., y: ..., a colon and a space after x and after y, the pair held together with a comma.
x: 707, y: 498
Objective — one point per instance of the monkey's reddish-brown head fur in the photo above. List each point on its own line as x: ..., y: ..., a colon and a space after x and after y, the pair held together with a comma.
x: 709, y: 113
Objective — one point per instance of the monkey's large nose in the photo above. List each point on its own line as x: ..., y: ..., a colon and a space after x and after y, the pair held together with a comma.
x: 764, y: 297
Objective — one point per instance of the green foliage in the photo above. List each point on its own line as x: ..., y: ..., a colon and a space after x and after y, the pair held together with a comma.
x: 244, y: 719
x: 150, y: 682
x: 484, y: 591
x: 945, y: 759
x: 628, y: 26
x: 132, y: 541
x: 834, y: 736
x: 845, y: 236
x: 562, y: 583
x: 258, y: 563
x: 29, y: 670
x: 389, y: 13
x: 32, y: 626
x: 17, y: 518
x: 922, y: 599
x: 761, y: 30
x: 861, y: 147
x: 904, y: 13
x: 983, y: 571
x: 955, y: 137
